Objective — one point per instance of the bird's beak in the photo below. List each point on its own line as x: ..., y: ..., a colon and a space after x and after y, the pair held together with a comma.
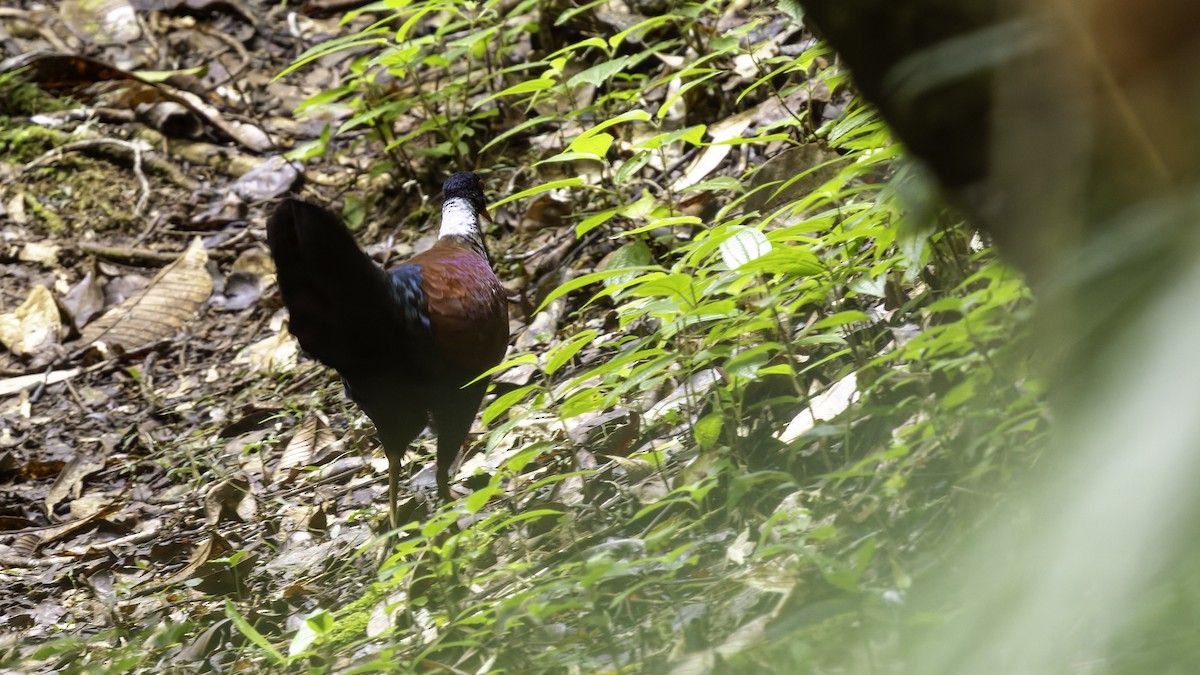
x: 484, y: 212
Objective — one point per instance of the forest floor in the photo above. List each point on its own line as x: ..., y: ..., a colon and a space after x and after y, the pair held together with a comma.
x: 177, y: 480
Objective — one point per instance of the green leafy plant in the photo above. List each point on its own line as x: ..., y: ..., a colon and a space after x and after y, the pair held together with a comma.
x: 825, y: 363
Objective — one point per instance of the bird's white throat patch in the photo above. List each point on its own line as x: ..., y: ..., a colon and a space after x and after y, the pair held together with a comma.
x: 459, y: 219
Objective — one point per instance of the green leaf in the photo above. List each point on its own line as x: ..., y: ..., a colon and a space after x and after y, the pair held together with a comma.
x: 566, y: 16
x: 693, y: 135
x: 504, y: 402
x: 718, y: 183
x: 593, y: 221
x: 948, y: 304
x: 525, y: 456
x: 666, y: 105
x: 959, y: 394
x: 661, y: 222
x: 841, y: 319
x: 631, y: 167
x: 323, y: 98
x: 559, y: 355
x: 363, y: 39
x: 251, y: 634
x: 640, y: 208
x: 747, y: 363
x: 634, y: 255
x: 707, y: 430
x: 303, y: 639
x: 402, y: 33
x: 582, y: 402
x: 864, y: 555
x: 746, y: 245
x: 477, y: 499
x: 586, y: 279
x: 628, y: 116
x: 786, y: 260
x: 310, y: 149
x: 582, y: 44
x: 526, y: 87
x: 616, y: 40
x: 596, y: 145
x: 321, y: 621
x: 598, y: 73
x: 779, y: 369
x: 541, y: 119
x: 569, y: 157
x: 681, y: 286
x: 742, y: 140
x: 539, y: 189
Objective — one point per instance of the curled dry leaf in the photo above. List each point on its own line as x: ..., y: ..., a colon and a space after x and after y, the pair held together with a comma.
x: 71, y: 476
x: 611, y: 433
x: 212, y: 547
x: 15, y: 209
x: 242, y: 290
x: 273, y: 354
x: 790, y: 175
x: 161, y: 309
x: 84, y: 300
x: 272, y: 178
x: 229, y: 500
x: 822, y: 407
x: 544, y: 212
x: 25, y: 546
x: 39, y: 252
x: 33, y: 326
x: 102, y: 22
x: 311, y: 435
x: 712, y: 156
x: 255, y: 261
x: 28, y: 544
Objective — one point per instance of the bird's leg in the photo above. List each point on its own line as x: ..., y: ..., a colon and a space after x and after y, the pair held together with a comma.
x: 396, y: 432
x: 452, y: 418
x: 443, y: 479
x: 393, y: 489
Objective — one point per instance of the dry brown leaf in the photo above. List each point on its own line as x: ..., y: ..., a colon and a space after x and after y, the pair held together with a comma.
x: 813, y: 164
x: 16, y: 209
x: 205, y: 644
x: 26, y: 545
x: 300, y: 450
x: 822, y: 407
x: 72, y: 475
x: 274, y: 354
x: 14, y: 385
x: 544, y: 212
x: 159, y: 310
x: 85, y: 299
x: 29, y: 543
x: 212, y: 547
x: 268, y: 180
x: 101, y: 21
x: 229, y: 500
x: 611, y: 433
x: 712, y: 156
x: 32, y: 326
x: 39, y: 252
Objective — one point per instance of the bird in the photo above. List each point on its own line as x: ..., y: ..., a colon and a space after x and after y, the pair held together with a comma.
x: 410, y: 343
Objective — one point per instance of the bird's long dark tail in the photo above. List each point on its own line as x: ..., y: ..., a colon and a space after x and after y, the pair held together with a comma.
x: 336, y: 295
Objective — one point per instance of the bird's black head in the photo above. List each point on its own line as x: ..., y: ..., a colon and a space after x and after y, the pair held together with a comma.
x: 466, y: 185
